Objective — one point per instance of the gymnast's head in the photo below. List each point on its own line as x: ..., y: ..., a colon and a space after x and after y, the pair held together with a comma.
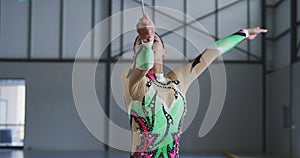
x: 158, y: 46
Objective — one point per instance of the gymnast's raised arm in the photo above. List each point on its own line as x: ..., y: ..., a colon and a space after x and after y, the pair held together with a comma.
x: 190, y: 71
x: 143, y: 52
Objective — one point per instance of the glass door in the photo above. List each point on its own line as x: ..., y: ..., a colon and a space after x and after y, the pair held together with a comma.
x: 12, y: 112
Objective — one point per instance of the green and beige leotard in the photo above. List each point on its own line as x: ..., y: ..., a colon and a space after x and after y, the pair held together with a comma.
x: 156, y: 104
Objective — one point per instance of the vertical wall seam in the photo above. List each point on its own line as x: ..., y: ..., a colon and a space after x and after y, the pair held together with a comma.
x: 108, y: 69
x: 248, y: 26
x: 93, y: 16
x: 294, y: 34
x: 61, y: 27
x: 185, y: 28
x: 122, y: 28
x: 29, y: 42
x: 264, y: 100
x: 217, y: 20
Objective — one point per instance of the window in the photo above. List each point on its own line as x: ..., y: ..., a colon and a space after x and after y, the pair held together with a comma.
x: 12, y: 112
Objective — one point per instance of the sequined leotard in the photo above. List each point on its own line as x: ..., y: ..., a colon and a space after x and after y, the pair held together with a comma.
x: 156, y: 107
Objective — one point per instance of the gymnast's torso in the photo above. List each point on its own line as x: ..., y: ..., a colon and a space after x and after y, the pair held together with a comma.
x: 156, y: 115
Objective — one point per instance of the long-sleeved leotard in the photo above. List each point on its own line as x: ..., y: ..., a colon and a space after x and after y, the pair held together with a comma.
x: 156, y: 104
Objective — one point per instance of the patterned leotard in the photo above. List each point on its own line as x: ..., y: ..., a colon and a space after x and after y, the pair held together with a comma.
x: 156, y: 109
x: 159, y: 126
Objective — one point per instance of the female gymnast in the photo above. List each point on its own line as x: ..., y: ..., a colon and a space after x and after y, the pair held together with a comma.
x: 156, y: 102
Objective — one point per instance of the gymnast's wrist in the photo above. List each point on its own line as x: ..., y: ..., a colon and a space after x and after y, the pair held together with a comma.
x: 148, y: 42
x: 246, y: 32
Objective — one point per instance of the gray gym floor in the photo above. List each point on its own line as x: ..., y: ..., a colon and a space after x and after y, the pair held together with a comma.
x: 77, y: 154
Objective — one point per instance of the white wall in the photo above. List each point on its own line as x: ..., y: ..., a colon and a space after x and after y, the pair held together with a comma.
x: 52, y: 122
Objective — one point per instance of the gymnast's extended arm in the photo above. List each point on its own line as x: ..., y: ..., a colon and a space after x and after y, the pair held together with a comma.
x: 190, y: 71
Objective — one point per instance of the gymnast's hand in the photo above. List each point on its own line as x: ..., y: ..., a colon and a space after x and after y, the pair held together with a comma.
x: 253, y: 32
x: 145, y: 28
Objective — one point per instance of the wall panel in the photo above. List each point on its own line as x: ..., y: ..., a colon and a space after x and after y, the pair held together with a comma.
x: 278, y: 97
x: 45, y: 29
x: 14, y: 29
x: 296, y: 109
x: 282, y: 14
x: 76, y: 25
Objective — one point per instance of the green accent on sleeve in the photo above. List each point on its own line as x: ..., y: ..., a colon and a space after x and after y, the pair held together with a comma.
x: 228, y: 43
x: 145, y: 58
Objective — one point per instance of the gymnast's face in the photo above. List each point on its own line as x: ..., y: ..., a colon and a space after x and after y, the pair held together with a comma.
x: 158, y: 48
